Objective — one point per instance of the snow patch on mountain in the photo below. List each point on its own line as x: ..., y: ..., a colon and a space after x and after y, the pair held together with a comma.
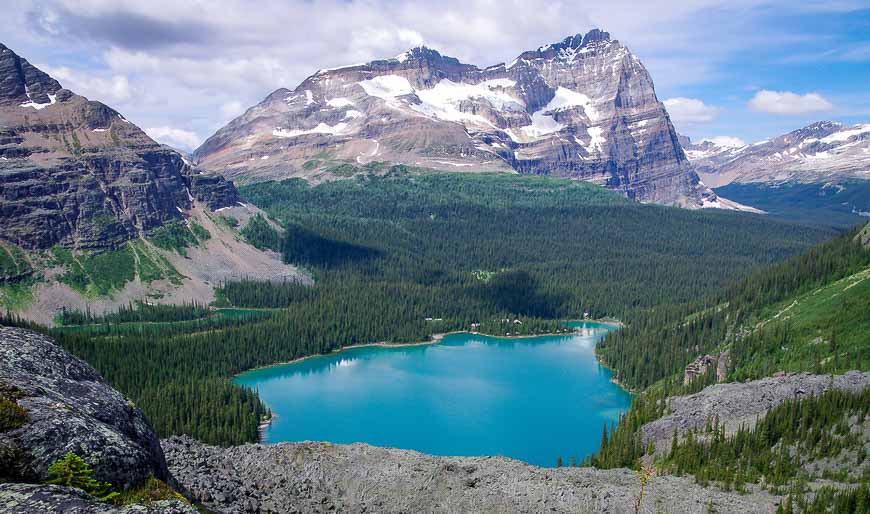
x: 52, y: 99
x: 338, y: 103
x: 387, y: 87
x: 322, y: 128
x: 597, y: 140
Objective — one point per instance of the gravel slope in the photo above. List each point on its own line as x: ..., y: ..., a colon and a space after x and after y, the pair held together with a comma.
x: 317, y: 477
x: 741, y: 403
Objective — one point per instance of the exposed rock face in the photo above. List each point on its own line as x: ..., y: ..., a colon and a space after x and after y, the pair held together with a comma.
x: 30, y: 498
x: 702, y: 364
x: 583, y: 108
x: 825, y: 151
x: 738, y: 404
x: 75, y: 172
x: 71, y: 409
x: 319, y: 477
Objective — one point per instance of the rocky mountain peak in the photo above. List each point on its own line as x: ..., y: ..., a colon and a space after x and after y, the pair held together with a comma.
x: 595, y: 35
x: 584, y: 108
x: 23, y: 83
x: 76, y: 172
x: 570, y: 47
x: 423, y: 53
x: 815, y: 130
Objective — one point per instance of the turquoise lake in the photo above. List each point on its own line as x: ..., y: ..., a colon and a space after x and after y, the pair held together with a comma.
x: 532, y: 399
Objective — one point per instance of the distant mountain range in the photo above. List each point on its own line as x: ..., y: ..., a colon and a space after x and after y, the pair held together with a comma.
x: 825, y: 151
x: 819, y: 174
x: 583, y: 108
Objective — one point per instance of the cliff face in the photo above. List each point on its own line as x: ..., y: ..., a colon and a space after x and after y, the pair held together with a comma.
x: 75, y: 172
x: 68, y: 407
x: 582, y: 108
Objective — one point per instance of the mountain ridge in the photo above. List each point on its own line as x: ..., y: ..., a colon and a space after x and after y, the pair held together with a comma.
x: 584, y: 108
x: 824, y: 151
x: 76, y: 172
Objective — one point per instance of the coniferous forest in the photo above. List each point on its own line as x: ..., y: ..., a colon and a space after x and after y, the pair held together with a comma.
x: 386, y: 253
x: 402, y: 257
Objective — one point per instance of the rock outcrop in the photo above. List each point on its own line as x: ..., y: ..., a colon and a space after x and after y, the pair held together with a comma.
x: 583, y: 108
x: 75, y: 172
x: 702, y: 364
x: 741, y: 403
x: 320, y: 477
x: 70, y: 408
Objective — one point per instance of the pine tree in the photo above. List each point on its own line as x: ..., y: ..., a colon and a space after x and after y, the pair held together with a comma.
x: 72, y: 471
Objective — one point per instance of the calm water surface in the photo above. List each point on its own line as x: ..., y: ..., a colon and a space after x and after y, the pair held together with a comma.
x: 533, y: 399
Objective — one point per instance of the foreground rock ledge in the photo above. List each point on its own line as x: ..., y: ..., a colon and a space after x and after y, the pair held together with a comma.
x: 317, y: 477
x: 32, y: 498
x: 70, y: 408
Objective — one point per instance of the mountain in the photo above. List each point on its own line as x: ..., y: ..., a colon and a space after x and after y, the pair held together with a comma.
x: 76, y: 172
x: 818, y: 175
x: 825, y: 151
x: 583, y: 108
x: 95, y: 215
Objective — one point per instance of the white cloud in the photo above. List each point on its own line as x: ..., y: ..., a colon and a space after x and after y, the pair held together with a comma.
x: 232, y: 109
x: 786, y: 102
x: 109, y: 90
x: 690, y: 111
x: 726, y: 141
x: 166, y: 63
x: 175, y: 137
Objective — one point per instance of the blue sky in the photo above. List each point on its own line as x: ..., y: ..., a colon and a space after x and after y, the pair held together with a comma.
x: 749, y: 69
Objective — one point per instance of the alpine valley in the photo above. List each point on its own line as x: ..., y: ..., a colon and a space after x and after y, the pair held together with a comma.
x: 420, y: 255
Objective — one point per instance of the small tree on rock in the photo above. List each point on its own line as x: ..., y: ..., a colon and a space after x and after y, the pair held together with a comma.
x: 72, y: 471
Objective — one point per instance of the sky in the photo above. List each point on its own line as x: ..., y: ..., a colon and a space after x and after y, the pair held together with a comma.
x: 740, y: 70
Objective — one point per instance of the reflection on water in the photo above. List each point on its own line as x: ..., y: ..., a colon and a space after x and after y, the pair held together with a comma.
x: 529, y: 398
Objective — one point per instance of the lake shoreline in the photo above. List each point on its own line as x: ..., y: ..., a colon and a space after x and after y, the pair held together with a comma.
x: 613, y: 378
x: 436, y: 338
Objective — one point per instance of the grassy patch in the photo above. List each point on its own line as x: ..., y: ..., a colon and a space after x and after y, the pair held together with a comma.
x: 153, y: 266
x: 824, y: 330
x: 174, y: 237
x: 199, y: 232
x: 228, y: 221
x: 96, y: 274
x: 101, y: 274
x: 13, y: 262
x: 12, y: 415
x: 152, y: 491
x: 16, y: 296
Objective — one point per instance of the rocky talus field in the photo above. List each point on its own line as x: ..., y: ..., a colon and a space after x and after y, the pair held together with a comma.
x: 739, y: 404
x: 321, y: 477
